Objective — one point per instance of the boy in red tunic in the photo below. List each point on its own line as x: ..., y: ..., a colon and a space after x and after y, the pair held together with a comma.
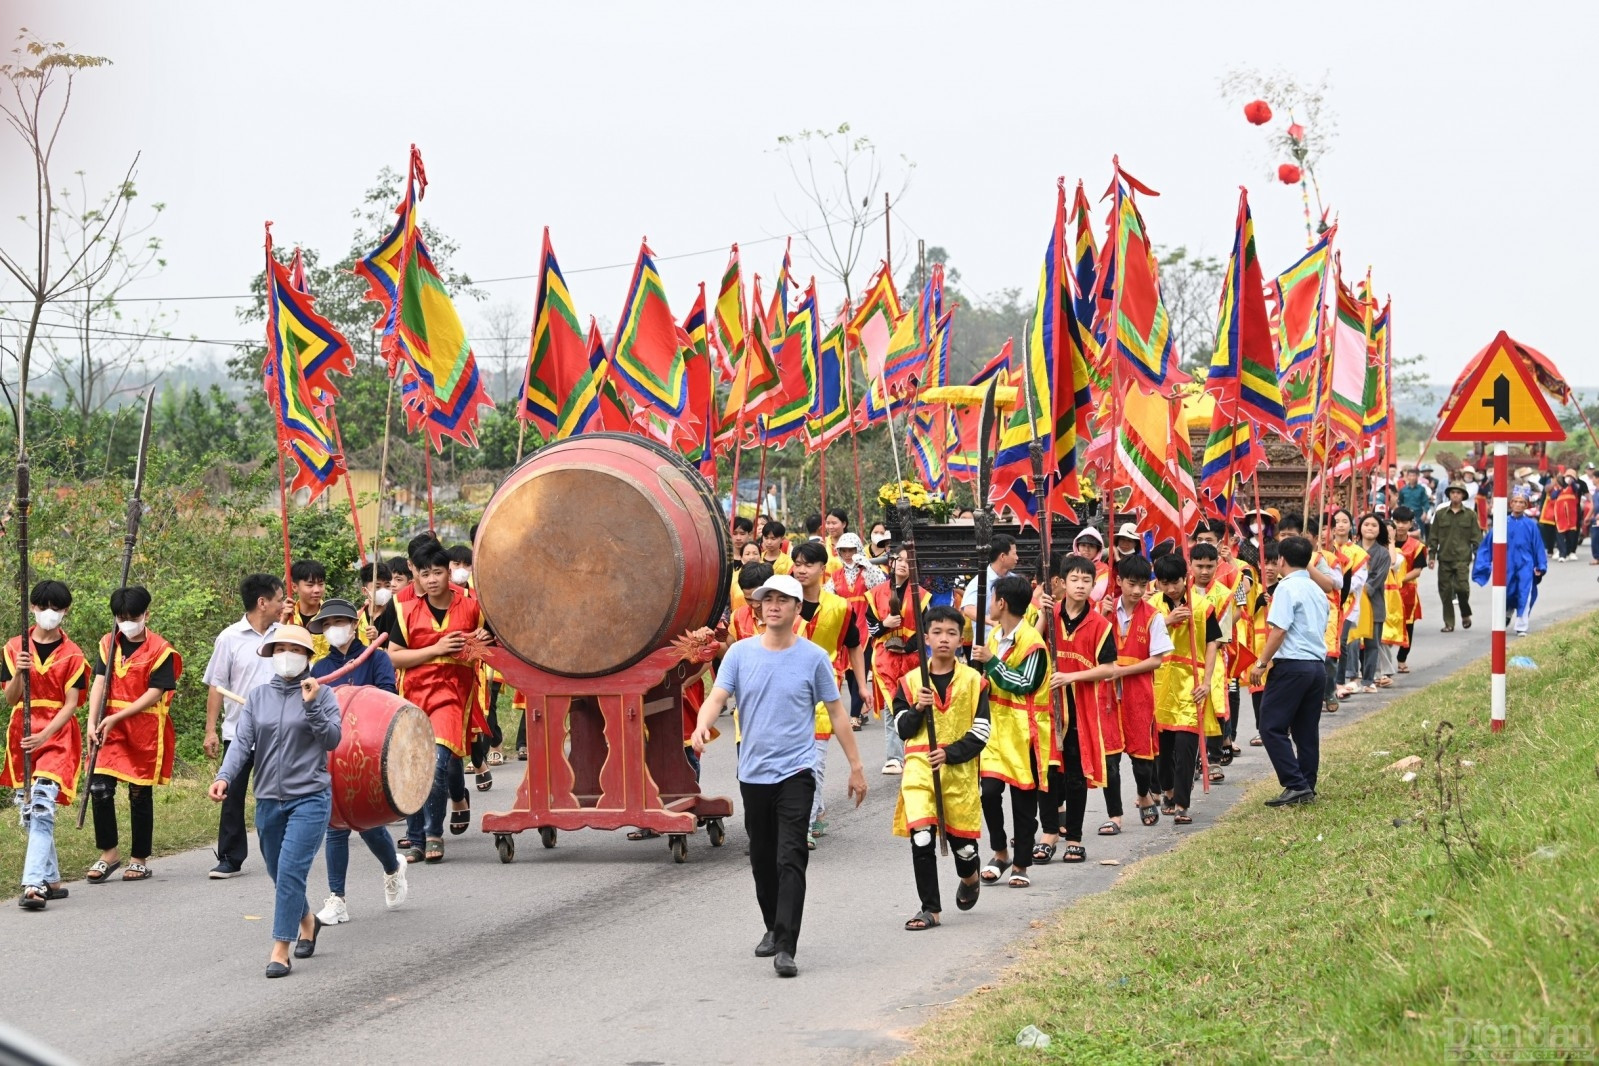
x: 1142, y: 644
x: 135, y: 673
x: 426, y: 634
x: 56, y: 673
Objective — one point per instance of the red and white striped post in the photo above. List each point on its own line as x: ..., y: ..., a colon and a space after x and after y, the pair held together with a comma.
x: 1501, y: 527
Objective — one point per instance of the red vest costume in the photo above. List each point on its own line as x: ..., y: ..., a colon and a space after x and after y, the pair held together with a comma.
x: 1568, y: 510
x: 1073, y: 654
x: 1136, y: 702
x: 138, y: 750
x: 444, y: 688
x: 1410, y: 591
x: 889, y: 667
x: 57, y: 759
x: 854, y: 592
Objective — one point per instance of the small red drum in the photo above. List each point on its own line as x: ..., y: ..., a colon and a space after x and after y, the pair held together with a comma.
x: 383, y: 767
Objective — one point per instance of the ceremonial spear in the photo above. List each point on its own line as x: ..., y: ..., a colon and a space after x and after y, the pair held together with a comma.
x: 1035, y: 454
x: 129, y: 539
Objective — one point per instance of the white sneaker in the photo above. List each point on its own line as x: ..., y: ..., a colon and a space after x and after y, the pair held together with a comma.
x: 394, y: 887
x: 333, y: 911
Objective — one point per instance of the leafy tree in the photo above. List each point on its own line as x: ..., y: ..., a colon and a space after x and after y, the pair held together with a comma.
x: 1190, y: 287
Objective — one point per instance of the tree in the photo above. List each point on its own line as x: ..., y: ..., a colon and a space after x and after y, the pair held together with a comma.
x: 1190, y: 287
x: 502, y: 351
x: 842, y: 181
x: 1304, y: 104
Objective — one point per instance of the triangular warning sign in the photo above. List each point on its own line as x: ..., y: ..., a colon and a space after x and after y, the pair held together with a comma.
x: 1499, y: 400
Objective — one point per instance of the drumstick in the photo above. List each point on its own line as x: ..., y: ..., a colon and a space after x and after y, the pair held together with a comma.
x: 326, y: 680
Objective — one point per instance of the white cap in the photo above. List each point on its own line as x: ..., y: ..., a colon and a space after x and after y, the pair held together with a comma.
x: 1467, y: 468
x: 782, y: 584
x: 1129, y: 531
x: 1088, y: 533
x: 849, y: 540
x: 882, y: 536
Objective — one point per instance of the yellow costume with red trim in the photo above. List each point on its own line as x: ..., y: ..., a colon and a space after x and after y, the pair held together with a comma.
x: 1020, y: 723
x: 1347, y: 560
x: 826, y: 629
x: 59, y: 758
x: 1393, y: 626
x: 138, y: 750
x: 1175, y: 706
x: 445, y: 687
x: 781, y: 565
x: 1409, y: 592
x: 953, y: 718
x: 319, y: 643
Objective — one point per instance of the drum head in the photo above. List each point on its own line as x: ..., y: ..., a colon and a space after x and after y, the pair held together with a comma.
x: 408, y: 760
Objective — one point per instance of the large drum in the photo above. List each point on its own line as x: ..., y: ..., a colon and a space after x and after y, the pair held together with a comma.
x: 599, y: 550
x: 383, y: 766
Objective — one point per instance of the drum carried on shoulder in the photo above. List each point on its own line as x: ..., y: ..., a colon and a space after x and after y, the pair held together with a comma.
x: 382, y: 769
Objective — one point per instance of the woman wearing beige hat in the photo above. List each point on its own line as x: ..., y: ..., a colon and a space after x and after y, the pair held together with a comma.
x: 290, y: 723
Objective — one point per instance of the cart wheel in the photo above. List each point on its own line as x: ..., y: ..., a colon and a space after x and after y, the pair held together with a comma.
x: 716, y: 833
x: 505, y: 844
x: 547, y: 835
x: 679, y: 845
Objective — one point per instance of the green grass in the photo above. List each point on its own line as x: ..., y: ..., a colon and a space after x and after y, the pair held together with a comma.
x: 1342, y: 931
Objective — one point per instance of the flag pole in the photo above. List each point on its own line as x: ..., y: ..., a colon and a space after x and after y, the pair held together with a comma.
x: 283, y: 511
x: 349, y: 485
x: 427, y: 466
x: 738, y: 430
x: 760, y: 484
x: 521, y: 435
x: 383, y: 463
x: 849, y: 407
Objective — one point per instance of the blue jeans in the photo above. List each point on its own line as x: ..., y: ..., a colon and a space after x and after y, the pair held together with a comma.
x: 290, y: 831
x: 449, y: 780
x: 378, y: 842
x: 893, y: 746
x: 40, y: 867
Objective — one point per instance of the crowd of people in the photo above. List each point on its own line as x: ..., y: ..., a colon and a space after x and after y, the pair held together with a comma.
x: 1001, y: 710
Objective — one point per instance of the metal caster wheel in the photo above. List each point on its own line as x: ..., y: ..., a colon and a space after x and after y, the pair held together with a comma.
x: 679, y: 846
x: 715, y: 831
x: 505, y: 844
x: 547, y: 835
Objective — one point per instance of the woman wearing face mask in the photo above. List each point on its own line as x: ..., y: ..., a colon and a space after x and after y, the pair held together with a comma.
x: 337, y: 622
x: 375, y: 579
x: 290, y: 724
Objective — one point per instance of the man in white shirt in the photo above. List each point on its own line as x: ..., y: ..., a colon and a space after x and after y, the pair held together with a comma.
x: 238, y: 666
x: 1002, y: 559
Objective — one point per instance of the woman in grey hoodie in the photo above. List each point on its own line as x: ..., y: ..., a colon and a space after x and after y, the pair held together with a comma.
x: 290, y: 724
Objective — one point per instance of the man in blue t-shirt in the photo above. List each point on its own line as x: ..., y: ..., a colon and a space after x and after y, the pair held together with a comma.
x: 778, y: 680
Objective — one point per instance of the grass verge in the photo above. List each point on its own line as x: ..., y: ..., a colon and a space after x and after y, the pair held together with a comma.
x: 1347, y: 930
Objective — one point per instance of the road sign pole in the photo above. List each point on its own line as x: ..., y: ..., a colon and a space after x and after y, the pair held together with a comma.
x: 1501, y: 526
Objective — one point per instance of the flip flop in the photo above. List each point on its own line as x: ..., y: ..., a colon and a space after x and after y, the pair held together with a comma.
x: 485, y: 781
x: 1109, y: 829
x: 101, y: 871
x: 460, y: 821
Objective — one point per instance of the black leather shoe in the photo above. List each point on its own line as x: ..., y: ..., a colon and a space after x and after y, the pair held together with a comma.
x: 784, y: 965
x: 303, y: 948
x: 1292, y: 796
x: 767, y: 947
x: 279, y: 969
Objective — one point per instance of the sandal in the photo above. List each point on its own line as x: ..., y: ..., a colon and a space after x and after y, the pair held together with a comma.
x: 521, y: 755
x: 33, y: 898
x: 1182, y: 817
x: 966, y: 894
x: 1108, y: 829
x: 1447, y: 629
x: 496, y: 757
x: 1168, y: 806
x: 1256, y: 742
x: 1020, y: 880
x: 893, y: 767
x: 1330, y: 707
x: 1075, y: 853
x: 1043, y: 853
x: 57, y: 892
x: 434, y: 852
x: 1149, y: 815
x: 1404, y: 668
x: 993, y: 871
x: 1226, y: 757
x: 460, y: 821
x: 1216, y: 776
x: 1385, y: 682
x: 101, y: 871
x: 922, y: 920
x: 411, y: 855
x: 485, y: 781
x: 137, y: 871
x: 643, y: 834
x: 1465, y: 623
x: 404, y: 844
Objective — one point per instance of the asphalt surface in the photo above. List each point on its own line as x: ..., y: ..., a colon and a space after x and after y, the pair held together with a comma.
x: 598, y: 951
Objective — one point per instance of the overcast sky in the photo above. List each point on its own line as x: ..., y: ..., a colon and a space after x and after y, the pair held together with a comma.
x: 1460, y: 169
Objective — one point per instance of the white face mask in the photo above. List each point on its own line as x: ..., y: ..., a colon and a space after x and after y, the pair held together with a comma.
x: 339, y: 636
x: 48, y: 619
x: 289, y: 663
x: 1254, y: 527
x: 460, y: 575
x: 382, y: 597
x: 130, y: 629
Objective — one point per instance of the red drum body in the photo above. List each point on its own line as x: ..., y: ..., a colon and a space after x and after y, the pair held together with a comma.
x: 599, y: 550
x: 383, y: 767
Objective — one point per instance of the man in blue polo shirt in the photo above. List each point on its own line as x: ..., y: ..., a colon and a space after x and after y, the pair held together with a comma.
x: 1290, y: 707
x: 778, y: 679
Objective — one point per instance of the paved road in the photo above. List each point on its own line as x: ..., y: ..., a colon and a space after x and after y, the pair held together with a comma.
x: 599, y: 951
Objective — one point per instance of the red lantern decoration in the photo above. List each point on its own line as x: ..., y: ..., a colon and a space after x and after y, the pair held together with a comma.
x: 1296, y: 133
x: 1288, y: 174
x: 1258, y: 112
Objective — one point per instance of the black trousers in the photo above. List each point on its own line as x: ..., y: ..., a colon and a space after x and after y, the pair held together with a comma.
x: 495, y: 737
x: 141, y: 814
x: 1024, y: 811
x: 776, y: 818
x: 1061, y: 811
x: 1143, y: 779
x: 1568, y: 543
x: 1404, y: 652
x: 1290, y: 721
x: 924, y: 861
x: 1179, y: 754
x: 233, y: 841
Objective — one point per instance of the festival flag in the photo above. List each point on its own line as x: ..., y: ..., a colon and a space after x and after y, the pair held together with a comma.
x: 730, y: 316
x: 965, y: 452
x: 1231, y: 455
x: 595, y: 404
x: 1243, y: 369
x: 423, y: 341
x: 755, y: 380
x: 557, y: 357
x: 1086, y: 255
x: 1152, y: 459
x: 830, y: 413
x: 1346, y: 376
x: 303, y: 350
x: 873, y: 327
x: 796, y: 370
x: 646, y: 357
x: 1378, y: 369
x: 1298, y: 318
x: 777, y: 314
x: 1130, y: 317
x: 930, y: 437
x: 699, y: 441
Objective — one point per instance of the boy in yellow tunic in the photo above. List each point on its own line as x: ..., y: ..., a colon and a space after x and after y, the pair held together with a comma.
x: 1016, y: 759
x: 1182, y: 700
x: 957, y: 701
x: 1204, y: 566
x: 774, y: 547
